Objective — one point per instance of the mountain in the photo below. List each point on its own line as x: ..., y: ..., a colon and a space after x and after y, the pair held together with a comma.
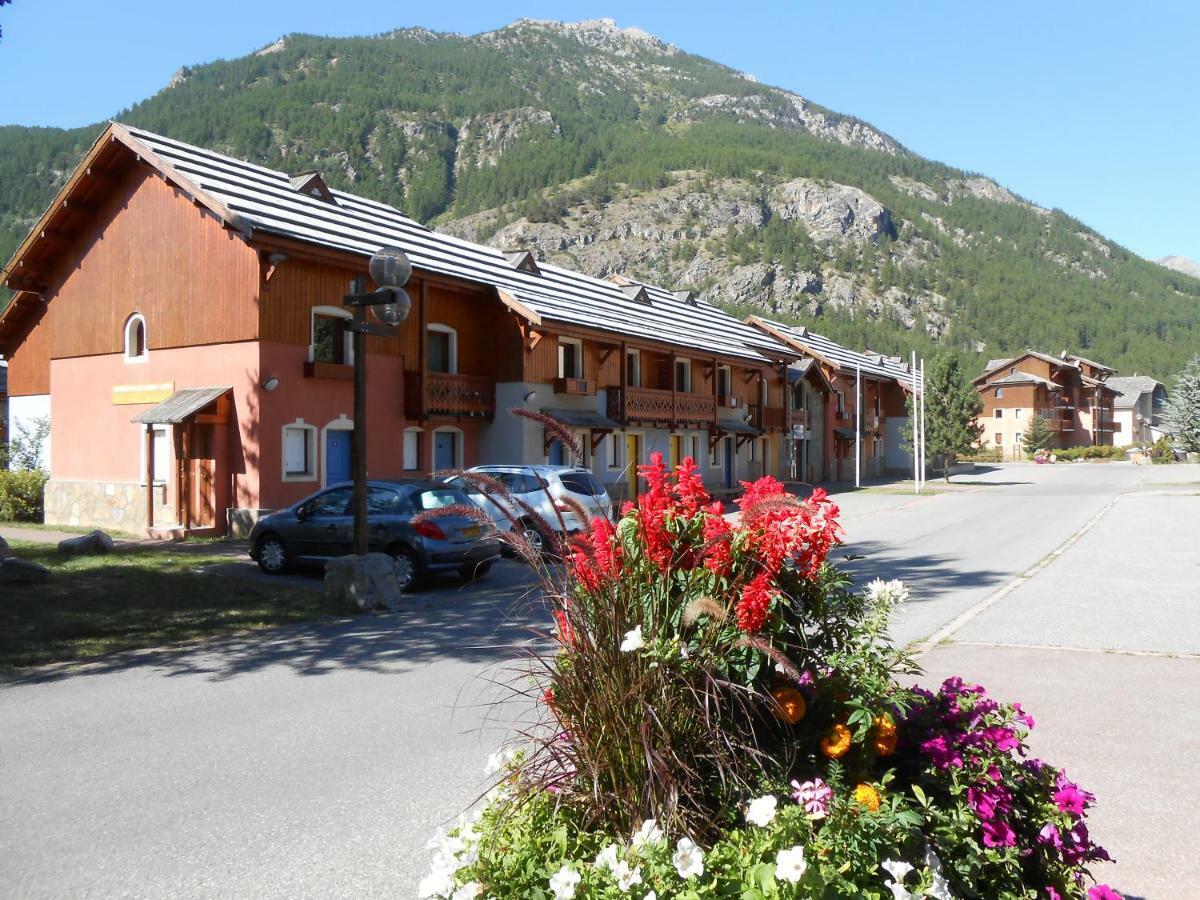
x: 1181, y: 264
x: 610, y: 150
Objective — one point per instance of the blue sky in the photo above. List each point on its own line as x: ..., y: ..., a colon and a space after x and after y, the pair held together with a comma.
x: 1090, y: 107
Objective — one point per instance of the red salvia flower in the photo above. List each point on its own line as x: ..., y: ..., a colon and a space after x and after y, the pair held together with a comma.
x: 756, y: 599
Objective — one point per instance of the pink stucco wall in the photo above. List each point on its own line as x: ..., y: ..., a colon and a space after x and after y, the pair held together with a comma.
x: 95, y: 440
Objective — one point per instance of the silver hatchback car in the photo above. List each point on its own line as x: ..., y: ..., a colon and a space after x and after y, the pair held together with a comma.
x: 544, y: 489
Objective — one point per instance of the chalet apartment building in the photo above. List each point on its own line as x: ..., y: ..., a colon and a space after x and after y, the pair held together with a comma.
x: 178, y: 316
x: 826, y: 386
x: 1069, y: 392
x: 1137, y: 410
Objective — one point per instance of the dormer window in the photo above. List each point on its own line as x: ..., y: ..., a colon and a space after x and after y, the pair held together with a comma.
x: 636, y: 293
x: 312, y: 184
x: 685, y: 297
x: 523, y: 261
x: 135, y: 339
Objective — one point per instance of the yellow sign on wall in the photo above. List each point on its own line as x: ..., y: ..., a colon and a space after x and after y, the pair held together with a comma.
x: 134, y: 394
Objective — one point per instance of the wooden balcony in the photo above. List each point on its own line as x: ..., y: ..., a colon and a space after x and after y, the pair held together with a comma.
x: 773, y: 418
x: 580, y: 387
x: 666, y: 409
x: 445, y: 394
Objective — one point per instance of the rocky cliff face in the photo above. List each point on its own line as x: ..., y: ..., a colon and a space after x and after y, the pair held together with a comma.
x: 688, y: 235
x: 1181, y: 264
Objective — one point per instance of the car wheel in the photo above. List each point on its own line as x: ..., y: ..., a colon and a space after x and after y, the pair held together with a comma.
x: 272, y: 554
x: 475, y: 571
x: 533, y: 536
x: 407, y: 568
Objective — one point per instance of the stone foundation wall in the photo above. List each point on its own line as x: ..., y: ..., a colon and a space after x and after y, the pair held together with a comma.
x: 104, y: 504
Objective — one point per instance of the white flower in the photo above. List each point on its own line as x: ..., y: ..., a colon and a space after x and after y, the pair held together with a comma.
x: 688, y: 859
x: 651, y: 896
x: 438, y: 883
x: 761, y: 811
x: 633, y: 640
x: 649, y: 833
x: 939, y: 889
x: 467, y: 891
x: 893, y: 592
x: 499, y: 760
x: 606, y: 858
x: 790, y: 864
x: 625, y: 876
x: 563, y: 883
x: 898, y: 869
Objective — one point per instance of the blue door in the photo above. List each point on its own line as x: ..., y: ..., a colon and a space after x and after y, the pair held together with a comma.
x: 556, y: 453
x: 337, y: 456
x: 445, y: 450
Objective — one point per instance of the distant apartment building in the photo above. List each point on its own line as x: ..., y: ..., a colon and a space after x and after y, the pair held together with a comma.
x: 1069, y: 392
x: 1137, y: 409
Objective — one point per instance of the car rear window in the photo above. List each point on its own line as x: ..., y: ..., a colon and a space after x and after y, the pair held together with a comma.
x: 519, y: 482
x: 581, y: 483
x: 439, y: 498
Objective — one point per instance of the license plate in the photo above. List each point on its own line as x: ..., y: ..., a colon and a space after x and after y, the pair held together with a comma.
x: 472, y: 531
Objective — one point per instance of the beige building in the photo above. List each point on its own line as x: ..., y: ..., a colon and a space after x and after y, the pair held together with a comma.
x: 1137, y: 410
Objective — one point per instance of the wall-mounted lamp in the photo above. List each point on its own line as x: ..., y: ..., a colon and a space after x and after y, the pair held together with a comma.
x: 531, y: 396
x: 270, y: 383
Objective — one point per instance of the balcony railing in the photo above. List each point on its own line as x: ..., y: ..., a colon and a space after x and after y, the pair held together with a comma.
x: 577, y: 386
x: 446, y: 394
x: 665, y: 408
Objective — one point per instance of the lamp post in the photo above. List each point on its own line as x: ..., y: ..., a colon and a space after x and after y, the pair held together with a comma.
x: 390, y: 269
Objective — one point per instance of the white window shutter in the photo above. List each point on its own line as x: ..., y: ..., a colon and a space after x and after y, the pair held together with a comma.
x: 294, y: 446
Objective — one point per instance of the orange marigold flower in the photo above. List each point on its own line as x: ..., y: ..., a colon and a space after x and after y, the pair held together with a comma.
x: 789, y: 704
x: 866, y: 795
x: 836, y: 741
x: 883, y: 737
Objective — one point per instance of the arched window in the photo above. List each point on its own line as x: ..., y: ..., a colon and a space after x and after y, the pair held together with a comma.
x: 135, y: 339
x: 441, y: 348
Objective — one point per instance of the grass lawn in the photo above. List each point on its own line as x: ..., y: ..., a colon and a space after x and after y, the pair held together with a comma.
x: 94, y: 605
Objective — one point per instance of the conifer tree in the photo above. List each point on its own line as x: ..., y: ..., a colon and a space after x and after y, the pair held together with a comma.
x: 1038, y: 435
x: 951, y: 408
x: 1183, y: 409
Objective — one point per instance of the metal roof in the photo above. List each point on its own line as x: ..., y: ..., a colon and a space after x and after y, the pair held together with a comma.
x: 264, y: 200
x: 1024, y: 378
x: 1130, y: 388
x: 843, y: 358
x: 180, y: 406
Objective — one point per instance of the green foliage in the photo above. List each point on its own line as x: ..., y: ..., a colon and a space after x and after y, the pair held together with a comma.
x: 1038, y: 435
x: 952, y: 406
x: 1071, y: 454
x: 24, y: 449
x: 21, y: 495
x: 1183, y: 408
x: 1162, y: 453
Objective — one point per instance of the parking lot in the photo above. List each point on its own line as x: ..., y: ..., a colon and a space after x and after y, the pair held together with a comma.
x: 317, y: 760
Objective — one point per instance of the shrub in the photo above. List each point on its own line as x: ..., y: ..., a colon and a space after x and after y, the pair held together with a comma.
x: 1071, y: 454
x: 21, y: 495
x: 1162, y: 452
x: 724, y: 717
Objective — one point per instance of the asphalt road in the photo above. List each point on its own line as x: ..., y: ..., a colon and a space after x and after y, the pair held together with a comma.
x: 317, y: 761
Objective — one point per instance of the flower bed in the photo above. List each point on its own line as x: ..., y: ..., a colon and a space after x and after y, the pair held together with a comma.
x: 725, y: 717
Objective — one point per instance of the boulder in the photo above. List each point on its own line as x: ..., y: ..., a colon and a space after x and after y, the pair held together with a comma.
x: 5, y: 553
x: 94, y: 543
x: 22, y: 571
x: 363, y: 583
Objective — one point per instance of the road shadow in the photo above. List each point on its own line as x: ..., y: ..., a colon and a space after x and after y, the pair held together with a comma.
x: 499, y: 618
x: 929, y: 576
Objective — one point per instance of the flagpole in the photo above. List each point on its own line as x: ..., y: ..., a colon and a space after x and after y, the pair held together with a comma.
x: 858, y: 425
x: 913, y: 424
x: 923, y: 473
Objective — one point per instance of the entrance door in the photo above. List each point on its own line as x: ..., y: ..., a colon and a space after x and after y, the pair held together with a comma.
x: 445, y: 450
x: 730, y: 462
x: 676, y: 449
x: 202, y: 478
x: 633, y: 455
x: 337, y: 456
x: 555, y: 454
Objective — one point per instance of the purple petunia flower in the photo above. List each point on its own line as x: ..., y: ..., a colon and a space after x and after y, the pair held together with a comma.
x: 1103, y: 892
x: 997, y: 833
